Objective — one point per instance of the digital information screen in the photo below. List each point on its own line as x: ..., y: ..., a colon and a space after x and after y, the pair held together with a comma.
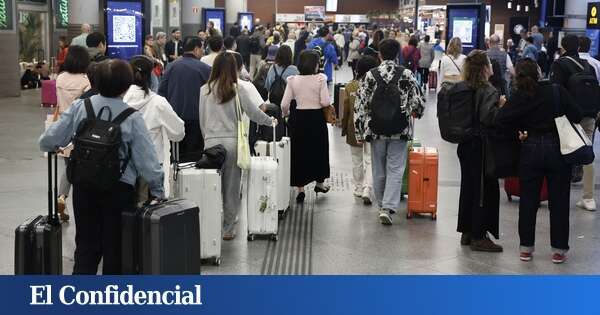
x: 124, y: 29
x: 464, y: 24
x: 246, y: 20
x: 217, y: 16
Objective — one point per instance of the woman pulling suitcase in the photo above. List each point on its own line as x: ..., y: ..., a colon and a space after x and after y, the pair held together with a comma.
x: 218, y: 121
x: 103, y: 187
x: 532, y: 109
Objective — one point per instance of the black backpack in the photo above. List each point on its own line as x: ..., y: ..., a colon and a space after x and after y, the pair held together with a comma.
x: 277, y: 87
x: 583, y: 87
x: 254, y: 45
x: 387, y: 116
x: 457, y: 112
x: 94, y: 162
x: 320, y: 50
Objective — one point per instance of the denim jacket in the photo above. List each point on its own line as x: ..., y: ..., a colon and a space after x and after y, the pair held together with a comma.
x: 143, y: 161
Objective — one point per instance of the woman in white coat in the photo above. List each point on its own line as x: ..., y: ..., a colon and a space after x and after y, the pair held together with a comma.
x: 162, y: 122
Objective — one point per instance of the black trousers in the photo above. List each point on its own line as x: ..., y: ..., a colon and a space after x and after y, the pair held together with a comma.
x: 477, y: 214
x: 424, y: 72
x: 541, y: 157
x: 192, y: 145
x: 98, y: 227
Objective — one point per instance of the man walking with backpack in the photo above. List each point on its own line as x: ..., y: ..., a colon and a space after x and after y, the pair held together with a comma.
x: 257, y: 45
x: 579, y: 78
x: 386, y: 99
x: 327, y: 53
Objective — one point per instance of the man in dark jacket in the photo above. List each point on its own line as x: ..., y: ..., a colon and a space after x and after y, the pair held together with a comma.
x: 96, y: 43
x: 174, y: 47
x: 243, y: 47
x: 562, y: 70
x: 234, y: 31
x: 180, y: 85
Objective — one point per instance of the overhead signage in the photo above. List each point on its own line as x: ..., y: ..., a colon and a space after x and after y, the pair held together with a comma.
x: 314, y: 13
x: 6, y: 15
x: 62, y: 13
x: 592, y: 15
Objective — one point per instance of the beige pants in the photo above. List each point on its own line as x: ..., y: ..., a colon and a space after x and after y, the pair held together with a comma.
x: 589, y: 126
x: 254, y: 62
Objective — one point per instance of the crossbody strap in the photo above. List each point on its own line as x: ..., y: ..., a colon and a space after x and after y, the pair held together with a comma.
x: 576, y: 62
x: 457, y: 67
x: 89, y: 109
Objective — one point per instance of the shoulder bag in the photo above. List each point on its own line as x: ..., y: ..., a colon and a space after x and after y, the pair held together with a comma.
x: 575, y: 146
x: 243, y: 146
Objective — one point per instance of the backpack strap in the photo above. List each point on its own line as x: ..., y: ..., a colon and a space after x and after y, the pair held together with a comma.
x: 123, y: 115
x: 579, y: 65
x: 378, y: 77
x: 556, y: 94
x: 89, y: 109
x: 117, y: 121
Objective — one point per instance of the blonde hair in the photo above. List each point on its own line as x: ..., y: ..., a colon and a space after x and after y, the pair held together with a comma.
x: 454, y: 47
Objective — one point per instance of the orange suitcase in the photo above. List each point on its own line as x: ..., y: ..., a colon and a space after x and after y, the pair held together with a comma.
x: 422, y: 181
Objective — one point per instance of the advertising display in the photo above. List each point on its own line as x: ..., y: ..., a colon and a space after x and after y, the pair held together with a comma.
x: 6, y: 15
x: 466, y: 22
x: 314, y: 13
x: 124, y: 28
x: 217, y: 16
x: 61, y: 8
x: 246, y: 20
x: 592, y: 15
x: 174, y: 8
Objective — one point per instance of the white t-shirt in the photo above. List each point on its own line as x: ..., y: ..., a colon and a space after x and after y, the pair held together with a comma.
x: 450, y: 67
x: 209, y: 59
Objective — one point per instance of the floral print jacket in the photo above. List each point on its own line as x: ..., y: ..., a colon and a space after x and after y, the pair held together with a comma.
x: 412, y: 96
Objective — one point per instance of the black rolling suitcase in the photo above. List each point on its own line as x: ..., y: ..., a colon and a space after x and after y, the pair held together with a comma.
x: 38, y: 241
x: 336, y: 98
x: 162, y: 239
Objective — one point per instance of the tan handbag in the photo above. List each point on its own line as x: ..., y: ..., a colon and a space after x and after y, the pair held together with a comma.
x: 329, y: 113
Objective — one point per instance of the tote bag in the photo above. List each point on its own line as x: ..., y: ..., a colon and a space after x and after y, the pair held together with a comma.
x: 575, y: 146
x: 243, y: 146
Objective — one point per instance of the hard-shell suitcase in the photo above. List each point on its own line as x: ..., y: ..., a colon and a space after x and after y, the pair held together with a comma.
x: 432, y: 80
x: 423, y: 181
x: 336, y: 97
x: 203, y: 186
x: 38, y: 241
x: 162, y: 239
x: 49, y: 98
x: 260, y: 197
x: 411, y: 144
x: 284, y: 159
x: 512, y: 186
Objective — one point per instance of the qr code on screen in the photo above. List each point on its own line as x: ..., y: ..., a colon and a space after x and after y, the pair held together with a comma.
x: 123, y: 29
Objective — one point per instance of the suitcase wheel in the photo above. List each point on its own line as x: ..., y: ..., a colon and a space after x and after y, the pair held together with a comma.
x: 250, y: 237
x: 434, y: 217
x: 274, y: 238
x: 509, y: 197
x: 281, y: 214
x: 409, y: 215
x: 217, y: 261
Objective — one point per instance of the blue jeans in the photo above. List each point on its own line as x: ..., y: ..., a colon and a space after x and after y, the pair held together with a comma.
x: 388, y: 163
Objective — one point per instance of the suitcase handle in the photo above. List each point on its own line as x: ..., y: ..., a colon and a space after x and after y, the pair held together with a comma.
x: 53, y: 193
x: 274, y: 141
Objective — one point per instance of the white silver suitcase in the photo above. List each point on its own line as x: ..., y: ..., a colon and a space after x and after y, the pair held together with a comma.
x: 284, y: 159
x: 260, y: 198
x: 203, y: 187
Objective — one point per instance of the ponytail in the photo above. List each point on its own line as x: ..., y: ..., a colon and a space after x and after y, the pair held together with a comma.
x: 142, y: 72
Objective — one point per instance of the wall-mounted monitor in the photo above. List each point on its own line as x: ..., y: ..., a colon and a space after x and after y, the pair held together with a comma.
x: 246, y: 20
x: 466, y: 22
x: 217, y: 16
x: 124, y: 28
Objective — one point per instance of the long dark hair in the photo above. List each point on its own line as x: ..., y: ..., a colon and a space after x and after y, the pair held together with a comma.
x: 142, y: 72
x: 223, y: 77
x: 527, y: 76
x: 473, y: 69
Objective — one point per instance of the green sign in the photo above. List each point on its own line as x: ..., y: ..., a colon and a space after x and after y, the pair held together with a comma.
x: 6, y: 15
x: 62, y: 13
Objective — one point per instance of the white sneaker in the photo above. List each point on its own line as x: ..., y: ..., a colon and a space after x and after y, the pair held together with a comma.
x: 587, y: 204
x: 384, y: 217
